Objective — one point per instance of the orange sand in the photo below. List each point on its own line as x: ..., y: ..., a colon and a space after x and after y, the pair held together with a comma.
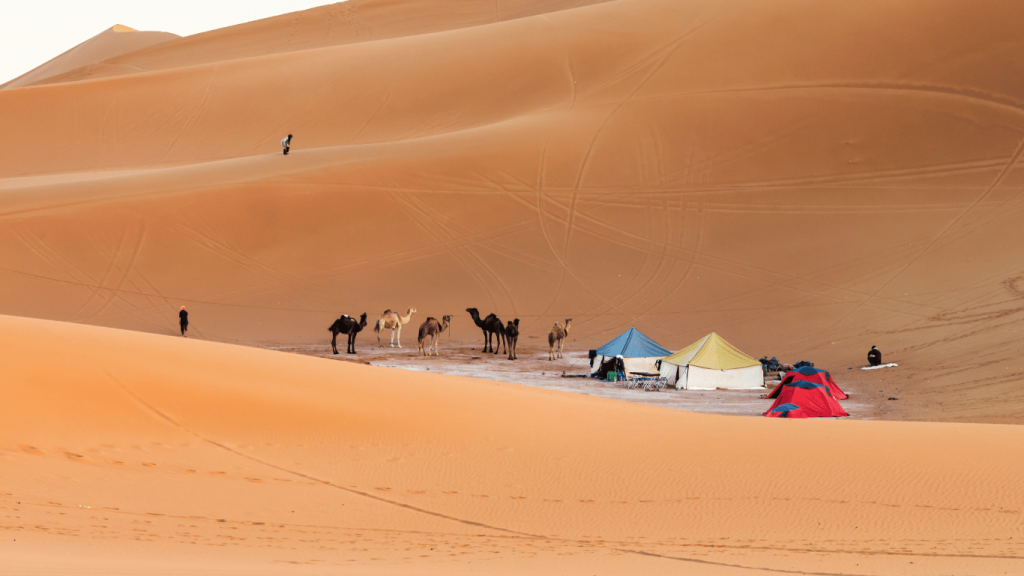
x: 159, y: 454
x: 110, y: 43
x: 807, y: 179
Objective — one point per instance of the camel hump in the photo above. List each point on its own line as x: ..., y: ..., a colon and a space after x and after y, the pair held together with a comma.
x: 345, y: 316
x: 388, y: 311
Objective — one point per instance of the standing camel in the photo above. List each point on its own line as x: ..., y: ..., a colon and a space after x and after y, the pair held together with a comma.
x: 392, y: 321
x: 556, y: 338
x: 490, y: 325
x: 347, y: 325
x: 430, y: 330
x: 511, y: 338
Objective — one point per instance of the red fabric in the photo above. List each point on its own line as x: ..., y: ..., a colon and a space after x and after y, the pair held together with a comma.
x: 811, y: 403
x: 821, y: 378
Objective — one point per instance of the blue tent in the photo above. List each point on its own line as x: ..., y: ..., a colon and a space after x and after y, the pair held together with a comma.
x: 633, y: 344
x: 639, y: 353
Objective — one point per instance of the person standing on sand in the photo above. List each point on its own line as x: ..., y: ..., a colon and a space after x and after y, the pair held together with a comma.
x: 183, y: 320
x: 286, y: 143
x: 875, y: 356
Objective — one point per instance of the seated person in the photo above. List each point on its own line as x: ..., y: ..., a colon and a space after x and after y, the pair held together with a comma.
x: 875, y: 356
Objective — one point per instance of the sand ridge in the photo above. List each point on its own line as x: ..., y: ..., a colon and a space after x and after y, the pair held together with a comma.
x: 115, y: 41
x: 517, y: 474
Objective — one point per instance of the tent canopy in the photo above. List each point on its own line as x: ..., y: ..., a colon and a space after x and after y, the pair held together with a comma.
x: 808, y: 374
x: 633, y: 344
x: 802, y: 399
x: 712, y: 352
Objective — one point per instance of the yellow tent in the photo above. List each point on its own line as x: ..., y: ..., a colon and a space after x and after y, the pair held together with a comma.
x: 712, y: 363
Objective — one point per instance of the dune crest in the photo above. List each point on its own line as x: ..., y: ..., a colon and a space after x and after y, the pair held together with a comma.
x: 353, y: 21
x: 110, y: 43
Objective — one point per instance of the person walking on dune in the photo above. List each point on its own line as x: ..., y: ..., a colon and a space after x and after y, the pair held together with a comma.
x: 183, y: 320
x: 286, y: 143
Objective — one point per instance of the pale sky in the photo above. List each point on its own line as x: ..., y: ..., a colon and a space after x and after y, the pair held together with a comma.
x: 34, y: 31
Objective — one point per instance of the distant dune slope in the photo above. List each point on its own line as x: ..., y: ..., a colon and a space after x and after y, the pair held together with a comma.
x: 110, y: 43
x: 807, y: 179
x: 342, y: 23
x: 176, y: 455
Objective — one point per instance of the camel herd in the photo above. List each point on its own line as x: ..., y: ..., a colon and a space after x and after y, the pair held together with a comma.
x: 432, y: 328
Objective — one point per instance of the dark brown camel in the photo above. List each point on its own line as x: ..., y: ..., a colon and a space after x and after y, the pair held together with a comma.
x: 490, y: 325
x: 347, y: 325
x: 511, y: 337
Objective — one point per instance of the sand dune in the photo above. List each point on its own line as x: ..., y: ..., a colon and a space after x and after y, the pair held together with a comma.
x: 224, y: 458
x: 808, y: 179
x: 347, y: 22
x: 110, y: 43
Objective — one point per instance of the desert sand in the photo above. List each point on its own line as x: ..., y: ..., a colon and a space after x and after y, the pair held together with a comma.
x: 807, y: 179
x: 115, y: 41
x: 175, y: 455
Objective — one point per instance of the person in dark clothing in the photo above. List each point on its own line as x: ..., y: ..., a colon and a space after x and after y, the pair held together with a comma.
x: 183, y: 320
x: 875, y: 356
x: 286, y: 143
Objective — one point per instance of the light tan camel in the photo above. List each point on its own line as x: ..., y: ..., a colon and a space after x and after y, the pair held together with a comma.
x: 392, y: 321
x: 430, y: 330
x: 556, y: 338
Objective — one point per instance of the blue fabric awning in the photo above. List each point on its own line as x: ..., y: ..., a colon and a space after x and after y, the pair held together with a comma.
x: 633, y: 344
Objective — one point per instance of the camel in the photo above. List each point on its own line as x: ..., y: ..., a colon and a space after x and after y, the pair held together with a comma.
x: 490, y: 325
x: 556, y: 338
x: 430, y: 330
x: 347, y: 325
x: 392, y: 321
x: 511, y: 337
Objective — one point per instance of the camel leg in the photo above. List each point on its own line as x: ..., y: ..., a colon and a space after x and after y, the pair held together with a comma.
x: 487, y: 340
x: 561, y: 346
x: 334, y: 342
x: 351, y: 344
x: 399, y: 336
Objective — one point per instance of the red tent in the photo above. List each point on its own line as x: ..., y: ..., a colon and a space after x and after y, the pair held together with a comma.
x: 801, y: 399
x: 809, y: 374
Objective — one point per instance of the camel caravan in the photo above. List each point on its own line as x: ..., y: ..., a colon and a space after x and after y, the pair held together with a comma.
x: 632, y: 358
x: 498, y: 336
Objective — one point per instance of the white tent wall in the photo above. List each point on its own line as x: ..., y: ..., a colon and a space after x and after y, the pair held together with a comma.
x: 640, y: 364
x: 674, y: 374
x: 631, y: 364
x: 749, y: 378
